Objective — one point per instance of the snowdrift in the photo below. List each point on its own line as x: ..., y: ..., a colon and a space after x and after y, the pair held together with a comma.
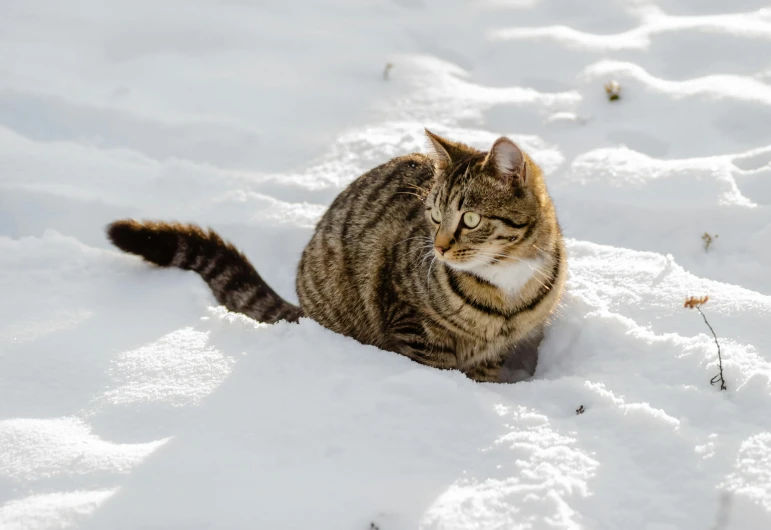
x: 128, y: 401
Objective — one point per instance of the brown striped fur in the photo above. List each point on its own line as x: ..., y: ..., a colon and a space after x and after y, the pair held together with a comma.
x: 231, y: 277
x: 395, y: 262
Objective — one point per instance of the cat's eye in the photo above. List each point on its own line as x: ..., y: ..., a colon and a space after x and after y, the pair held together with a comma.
x: 471, y: 219
x: 436, y: 215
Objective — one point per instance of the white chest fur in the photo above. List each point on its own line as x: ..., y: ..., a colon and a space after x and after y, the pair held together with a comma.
x: 510, y: 278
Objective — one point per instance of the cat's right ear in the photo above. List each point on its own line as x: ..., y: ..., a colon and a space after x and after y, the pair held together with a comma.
x: 508, y: 161
x: 438, y: 152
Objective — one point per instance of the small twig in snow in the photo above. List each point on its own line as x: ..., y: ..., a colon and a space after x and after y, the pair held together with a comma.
x: 387, y: 71
x: 696, y: 303
x: 613, y: 90
x: 708, y: 240
x: 723, y: 512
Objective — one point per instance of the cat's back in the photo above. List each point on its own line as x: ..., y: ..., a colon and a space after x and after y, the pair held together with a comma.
x: 379, y: 191
x: 344, y: 265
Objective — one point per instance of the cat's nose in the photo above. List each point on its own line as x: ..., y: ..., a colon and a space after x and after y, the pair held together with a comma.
x: 443, y: 243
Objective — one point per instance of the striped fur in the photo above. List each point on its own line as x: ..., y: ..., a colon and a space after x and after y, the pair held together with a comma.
x: 231, y: 277
x: 372, y: 270
x: 394, y: 262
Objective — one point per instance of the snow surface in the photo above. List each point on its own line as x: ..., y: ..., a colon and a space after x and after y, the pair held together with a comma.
x: 128, y: 401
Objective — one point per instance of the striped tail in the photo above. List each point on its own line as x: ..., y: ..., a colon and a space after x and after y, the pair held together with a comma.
x: 231, y: 277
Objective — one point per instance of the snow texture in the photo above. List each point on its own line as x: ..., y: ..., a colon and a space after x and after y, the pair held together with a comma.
x: 128, y: 401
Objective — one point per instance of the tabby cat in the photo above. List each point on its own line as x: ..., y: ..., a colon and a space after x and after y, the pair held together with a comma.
x: 455, y: 260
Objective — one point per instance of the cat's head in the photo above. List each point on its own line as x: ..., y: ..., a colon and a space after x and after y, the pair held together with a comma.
x: 485, y: 208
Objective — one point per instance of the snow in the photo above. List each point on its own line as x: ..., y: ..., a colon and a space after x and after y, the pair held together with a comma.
x: 128, y: 401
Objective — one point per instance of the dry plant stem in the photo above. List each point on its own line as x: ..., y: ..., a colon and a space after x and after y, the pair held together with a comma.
x: 718, y: 377
x: 724, y: 511
x: 708, y: 240
x: 387, y: 71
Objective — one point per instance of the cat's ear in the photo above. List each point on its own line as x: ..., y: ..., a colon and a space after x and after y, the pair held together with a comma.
x: 440, y: 151
x: 508, y: 160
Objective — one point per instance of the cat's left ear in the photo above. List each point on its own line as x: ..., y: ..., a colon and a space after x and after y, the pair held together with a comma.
x: 508, y: 160
x: 440, y: 151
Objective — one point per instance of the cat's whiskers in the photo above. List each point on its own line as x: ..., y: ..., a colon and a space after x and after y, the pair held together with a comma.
x: 421, y: 197
x: 428, y: 244
x: 536, y: 270
x: 492, y: 257
x: 418, y: 188
x: 428, y: 254
x: 422, y: 257
x: 542, y: 251
x: 411, y: 238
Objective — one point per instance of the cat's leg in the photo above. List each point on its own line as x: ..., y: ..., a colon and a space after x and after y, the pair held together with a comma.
x: 521, y: 361
x: 486, y: 372
x: 517, y: 365
x: 416, y: 346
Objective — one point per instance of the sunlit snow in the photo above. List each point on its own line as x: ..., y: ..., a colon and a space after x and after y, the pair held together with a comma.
x: 128, y: 401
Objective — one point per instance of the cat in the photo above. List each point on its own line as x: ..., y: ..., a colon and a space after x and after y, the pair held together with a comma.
x: 454, y: 259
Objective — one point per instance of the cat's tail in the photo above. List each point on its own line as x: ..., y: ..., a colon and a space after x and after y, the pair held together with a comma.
x: 231, y: 277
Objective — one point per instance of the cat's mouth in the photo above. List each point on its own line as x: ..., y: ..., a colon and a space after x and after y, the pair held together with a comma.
x: 465, y: 260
